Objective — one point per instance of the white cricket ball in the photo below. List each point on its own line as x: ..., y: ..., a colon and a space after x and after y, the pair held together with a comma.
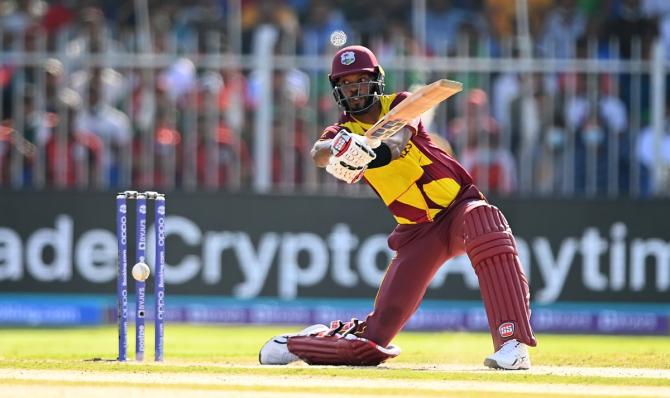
x: 141, y: 272
x: 338, y: 38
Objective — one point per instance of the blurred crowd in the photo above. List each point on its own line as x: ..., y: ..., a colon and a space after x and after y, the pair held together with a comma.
x: 79, y: 112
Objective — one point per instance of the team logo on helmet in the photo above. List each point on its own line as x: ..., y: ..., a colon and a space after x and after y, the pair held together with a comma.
x: 347, y: 58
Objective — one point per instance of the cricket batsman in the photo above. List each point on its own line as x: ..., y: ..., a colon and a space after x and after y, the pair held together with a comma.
x: 440, y: 214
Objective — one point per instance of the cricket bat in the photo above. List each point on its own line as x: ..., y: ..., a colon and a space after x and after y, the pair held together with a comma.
x: 412, y: 107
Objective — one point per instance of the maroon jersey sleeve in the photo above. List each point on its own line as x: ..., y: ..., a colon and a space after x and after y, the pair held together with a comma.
x: 329, y: 132
x: 332, y: 130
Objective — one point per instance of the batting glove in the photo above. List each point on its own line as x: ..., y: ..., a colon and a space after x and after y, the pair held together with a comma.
x: 351, y: 149
x: 344, y: 171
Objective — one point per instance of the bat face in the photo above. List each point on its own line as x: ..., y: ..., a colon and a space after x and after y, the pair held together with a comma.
x: 388, y: 128
x: 412, y: 107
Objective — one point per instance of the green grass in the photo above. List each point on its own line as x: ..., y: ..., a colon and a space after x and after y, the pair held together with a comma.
x: 557, y: 350
x: 227, y: 350
x: 240, y: 344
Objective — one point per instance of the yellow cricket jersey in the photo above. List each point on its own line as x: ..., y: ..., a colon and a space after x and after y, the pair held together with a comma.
x: 423, y: 181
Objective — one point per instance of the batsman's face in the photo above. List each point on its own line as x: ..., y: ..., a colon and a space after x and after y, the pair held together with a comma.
x: 356, y: 88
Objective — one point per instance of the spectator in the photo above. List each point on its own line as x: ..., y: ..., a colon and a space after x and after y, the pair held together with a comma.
x: 232, y: 98
x: 93, y: 37
x: 20, y: 19
x: 564, y: 26
x: 110, y: 125
x: 291, y: 92
x: 483, y: 156
x: 73, y: 157
x: 179, y: 79
x: 505, y: 88
x: 167, y: 102
x: 321, y: 20
x: 54, y: 83
x: 628, y: 25
x: 647, y: 148
x: 223, y: 158
x: 502, y: 19
x: 549, y: 162
x: 115, y: 86
x: 659, y: 11
x: 220, y: 156
x: 389, y: 15
x: 59, y: 14
x: 443, y: 23
x: 534, y: 130
x: 268, y: 13
x: 13, y: 144
x: 165, y: 151
x: 609, y: 107
x: 595, y: 125
x: 18, y: 136
x: 635, y: 32
x: 201, y: 15
x: 16, y: 76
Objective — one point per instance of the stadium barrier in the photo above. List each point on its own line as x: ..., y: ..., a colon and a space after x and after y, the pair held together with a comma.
x: 592, y: 265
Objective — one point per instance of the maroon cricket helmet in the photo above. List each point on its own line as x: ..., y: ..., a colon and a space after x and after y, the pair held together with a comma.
x: 353, y: 59
x: 356, y: 59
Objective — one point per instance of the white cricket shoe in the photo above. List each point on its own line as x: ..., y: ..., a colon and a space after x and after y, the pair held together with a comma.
x: 275, y: 351
x: 513, y: 355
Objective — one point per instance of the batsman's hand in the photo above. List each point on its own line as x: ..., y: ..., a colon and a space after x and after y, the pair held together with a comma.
x: 351, y: 149
x: 344, y: 171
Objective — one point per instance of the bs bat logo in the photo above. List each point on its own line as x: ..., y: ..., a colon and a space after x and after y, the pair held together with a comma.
x: 506, y: 329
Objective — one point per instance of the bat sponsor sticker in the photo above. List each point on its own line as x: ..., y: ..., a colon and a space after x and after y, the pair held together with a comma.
x: 506, y: 329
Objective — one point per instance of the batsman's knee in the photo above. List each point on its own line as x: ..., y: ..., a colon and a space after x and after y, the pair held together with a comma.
x: 487, y: 234
x: 340, y: 345
x: 340, y: 350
